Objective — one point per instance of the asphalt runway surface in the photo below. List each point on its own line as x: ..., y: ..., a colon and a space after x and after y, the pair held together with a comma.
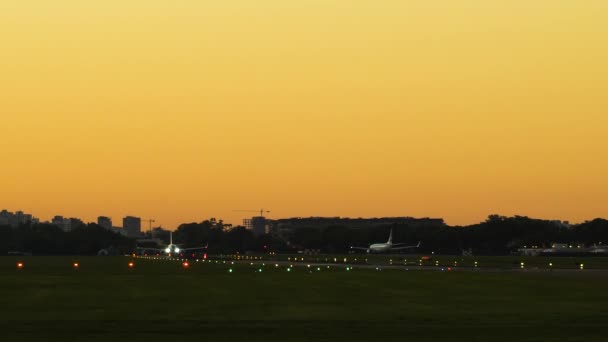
x: 378, y: 267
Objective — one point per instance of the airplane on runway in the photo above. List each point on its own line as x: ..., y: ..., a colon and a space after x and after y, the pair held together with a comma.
x: 386, y: 247
x: 171, y: 248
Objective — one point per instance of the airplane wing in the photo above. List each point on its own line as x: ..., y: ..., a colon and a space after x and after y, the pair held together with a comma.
x: 406, y: 247
x: 360, y: 248
x: 192, y: 249
x: 150, y: 249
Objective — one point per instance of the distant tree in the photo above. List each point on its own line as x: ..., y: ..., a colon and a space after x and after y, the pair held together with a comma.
x: 496, y: 235
x: 592, y: 232
x: 336, y: 238
x: 310, y: 238
x: 239, y: 240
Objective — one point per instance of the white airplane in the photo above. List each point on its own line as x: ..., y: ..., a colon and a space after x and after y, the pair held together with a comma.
x: 386, y: 247
x: 172, y: 248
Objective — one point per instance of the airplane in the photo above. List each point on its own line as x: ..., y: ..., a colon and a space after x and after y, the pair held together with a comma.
x: 386, y: 247
x: 171, y: 248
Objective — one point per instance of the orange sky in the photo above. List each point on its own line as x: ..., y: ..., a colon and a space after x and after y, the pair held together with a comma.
x: 188, y: 109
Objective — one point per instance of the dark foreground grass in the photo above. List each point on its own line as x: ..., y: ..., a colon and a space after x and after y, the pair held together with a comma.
x: 104, y: 300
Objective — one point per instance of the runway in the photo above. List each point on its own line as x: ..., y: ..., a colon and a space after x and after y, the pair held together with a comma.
x: 381, y: 267
x: 415, y: 267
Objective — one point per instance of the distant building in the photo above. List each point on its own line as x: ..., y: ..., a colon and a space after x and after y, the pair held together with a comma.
x: 104, y: 222
x: 19, y: 215
x: 259, y: 225
x: 57, y: 220
x: 132, y: 226
x: 119, y: 230
x: 64, y: 223
x: 247, y: 224
x: 5, y: 218
x: 14, y: 220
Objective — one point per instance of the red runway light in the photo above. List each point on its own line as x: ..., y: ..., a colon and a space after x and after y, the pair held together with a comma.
x: 76, y: 265
x: 186, y: 264
x: 19, y: 265
x: 131, y: 265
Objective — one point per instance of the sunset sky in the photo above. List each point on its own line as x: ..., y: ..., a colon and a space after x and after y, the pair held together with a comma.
x: 184, y: 110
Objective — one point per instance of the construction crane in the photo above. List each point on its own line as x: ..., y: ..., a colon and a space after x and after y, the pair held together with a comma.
x: 150, y: 221
x: 261, y: 211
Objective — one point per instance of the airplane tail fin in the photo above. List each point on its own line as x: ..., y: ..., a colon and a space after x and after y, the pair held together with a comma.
x: 170, y: 238
x: 390, y: 237
x: 419, y: 243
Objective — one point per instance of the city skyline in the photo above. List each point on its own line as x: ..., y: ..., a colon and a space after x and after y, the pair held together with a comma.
x: 452, y: 109
x: 145, y: 224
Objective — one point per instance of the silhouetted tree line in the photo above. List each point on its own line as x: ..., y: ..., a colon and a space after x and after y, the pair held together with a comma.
x: 497, y: 235
x: 215, y: 234
x: 48, y: 239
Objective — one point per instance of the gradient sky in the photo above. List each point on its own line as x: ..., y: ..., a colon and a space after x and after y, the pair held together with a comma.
x: 183, y: 110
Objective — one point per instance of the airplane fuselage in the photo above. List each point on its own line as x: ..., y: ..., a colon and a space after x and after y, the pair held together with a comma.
x: 380, y: 248
x: 387, y: 246
x: 172, y: 249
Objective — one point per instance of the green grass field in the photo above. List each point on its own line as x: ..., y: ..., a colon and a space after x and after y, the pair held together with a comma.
x: 49, y: 300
